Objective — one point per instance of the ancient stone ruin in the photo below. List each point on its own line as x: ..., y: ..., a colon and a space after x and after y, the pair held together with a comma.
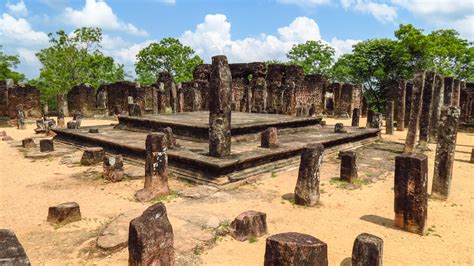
x: 367, y: 250
x: 307, y: 186
x: 11, y: 250
x: 249, y: 224
x: 64, y: 213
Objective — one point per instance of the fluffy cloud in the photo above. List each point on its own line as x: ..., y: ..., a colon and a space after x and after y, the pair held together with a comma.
x: 98, y: 14
x: 18, y: 9
x: 19, y: 32
x: 342, y: 46
x: 305, y: 3
x: 381, y: 11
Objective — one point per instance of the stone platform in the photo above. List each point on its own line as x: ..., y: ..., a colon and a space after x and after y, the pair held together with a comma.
x: 191, y: 160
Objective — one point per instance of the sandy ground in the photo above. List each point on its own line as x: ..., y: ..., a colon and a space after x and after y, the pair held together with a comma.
x: 28, y: 187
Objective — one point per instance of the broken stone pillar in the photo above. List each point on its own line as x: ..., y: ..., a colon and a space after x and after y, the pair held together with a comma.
x: 312, y: 110
x: 28, y: 143
x: 180, y: 98
x: 425, y: 115
x: 134, y: 109
x: 295, y: 249
x: 389, y: 118
x: 401, y: 95
x: 307, y: 186
x: 355, y: 117
x: 438, y: 103
x: 456, y: 92
x: 269, y: 138
x: 411, y: 192
x: 374, y: 119
x: 93, y: 130
x: 173, y: 98
x: 92, y: 156
x: 170, y: 139
x: 64, y: 213
x: 416, y: 104
x: 46, y: 145
x: 150, y: 238
x: 20, y: 117
x: 472, y: 156
x: 339, y: 128
x: 11, y: 251
x: 156, y: 168
x: 220, y: 100
x: 248, y: 224
x: 61, y: 122
x: 113, y: 168
x: 408, y: 101
x: 367, y: 250
x: 348, y: 166
x: 445, y: 149
x: 117, y: 109
x: 448, y: 91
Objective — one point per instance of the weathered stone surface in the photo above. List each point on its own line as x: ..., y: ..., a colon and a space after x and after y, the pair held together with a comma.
x: 20, y: 117
x: 113, y: 168
x: 448, y: 91
x: 445, y: 149
x: 150, y: 238
x: 7, y: 138
x: 416, y: 104
x: 339, y: 128
x: 367, y: 250
x: 3, y: 133
x: 374, y: 119
x: 46, y: 145
x: 64, y: 213
x: 472, y: 156
x: 348, y: 166
x: 438, y: 103
x: 134, y: 110
x: 456, y: 92
x: 355, y: 117
x: 170, y: 139
x: 307, y: 186
x: 11, y: 250
x: 401, y: 95
x: 93, y: 130
x: 408, y: 101
x: 390, y: 117
x: 295, y: 249
x: 248, y: 224
x: 115, y: 235
x: 220, y: 100
x: 81, y: 98
x: 28, y: 143
x: 426, y: 108
x: 92, y: 156
x: 411, y: 192
x: 269, y: 138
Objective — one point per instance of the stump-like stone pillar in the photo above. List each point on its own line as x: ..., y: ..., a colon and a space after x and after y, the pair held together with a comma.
x: 425, y: 115
x: 295, y: 249
x: 92, y: 156
x: 93, y: 130
x: 408, y: 101
x: 11, y: 250
x: 456, y: 92
x: 416, y: 104
x: 248, y: 224
x: 46, y: 145
x: 134, y: 110
x: 64, y: 213
x: 220, y: 100
x: 307, y: 186
x: 472, y: 156
x: 389, y: 119
x: 150, y: 238
x: 156, y: 168
x: 113, y: 168
x: 170, y: 139
x: 448, y: 91
x: 339, y: 128
x: 355, y: 117
x: 367, y: 250
x: 348, y: 166
x: 28, y: 143
x: 445, y: 149
x: 401, y: 95
x: 269, y: 138
x: 374, y: 119
x: 438, y: 102
x: 411, y: 192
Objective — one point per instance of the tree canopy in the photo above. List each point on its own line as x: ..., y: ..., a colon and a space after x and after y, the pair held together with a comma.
x: 314, y: 56
x: 7, y: 64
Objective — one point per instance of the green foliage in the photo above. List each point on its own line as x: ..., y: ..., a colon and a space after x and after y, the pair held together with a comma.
x: 314, y: 56
x: 7, y: 64
x: 169, y: 55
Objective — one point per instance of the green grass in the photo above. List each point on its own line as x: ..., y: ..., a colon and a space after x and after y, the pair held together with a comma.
x: 168, y: 198
x: 253, y: 239
x: 274, y: 174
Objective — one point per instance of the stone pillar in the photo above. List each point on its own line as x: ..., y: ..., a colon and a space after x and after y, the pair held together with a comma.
x: 156, y: 168
x: 161, y: 98
x: 220, y: 100
x: 355, y: 117
x: 348, y: 166
x: 307, y: 186
x: 445, y: 149
x: 448, y: 91
x: 92, y: 156
x: 156, y: 108
x: 46, y: 145
x: 456, y: 92
x: 438, y: 103
x: 173, y: 98
x: 472, y: 156
x: 180, y: 97
x: 170, y: 139
x: 389, y: 118
x: 28, y: 143
x: 367, y: 250
x: 134, y: 109
x: 295, y: 249
x: 401, y: 95
x: 411, y: 192
x: 408, y: 101
x: 11, y: 250
x: 269, y: 138
x: 64, y: 213
x: 425, y: 115
x: 248, y: 224
x: 374, y: 119
x: 150, y: 238
x: 416, y: 104
x: 113, y: 168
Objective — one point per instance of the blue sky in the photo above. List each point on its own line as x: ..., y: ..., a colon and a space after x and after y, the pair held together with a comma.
x: 243, y: 30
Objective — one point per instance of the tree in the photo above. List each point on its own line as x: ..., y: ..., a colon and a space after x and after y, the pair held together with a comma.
x: 169, y: 55
x: 7, y: 63
x: 314, y: 56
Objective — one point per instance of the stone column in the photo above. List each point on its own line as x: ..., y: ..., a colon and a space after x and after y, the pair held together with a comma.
x: 295, y: 249
x: 269, y: 138
x: 389, y: 118
x: 249, y: 224
x: 438, y: 102
x: 348, y: 166
x: 411, y: 192
x: 472, y: 156
x: 456, y: 92
x: 150, y: 238
x: 154, y: 92
x: 173, y: 98
x: 401, y: 94
x: 161, y: 98
x: 448, y: 91
x: 180, y: 99
x: 355, y: 117
x: 46, y: 145
x: 426, y: 108
x: 367, y: 250
x: 416, y: 104
x: 307, y: 186
x: 220, y: 100
x: 11, y: 251
x: 408, y: 101
x: 445, y: 149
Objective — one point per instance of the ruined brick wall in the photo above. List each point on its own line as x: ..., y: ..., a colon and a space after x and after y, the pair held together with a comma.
x: 467, y: 103
x: 191, y: 97
x: 283, y: 81
x: 26, y: 95
x: 118, y: 93
x: 202, y: 76
x: 148, y: 99
x: 248, y: 87
x: 335, y: 89
x: 82, y: 98
x: 312, y: 92
x: 3, y: 98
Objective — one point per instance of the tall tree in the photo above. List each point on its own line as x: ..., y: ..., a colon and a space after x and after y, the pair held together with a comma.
x: 169, y: 55
x: 7, y: 64
x: 314, y: 56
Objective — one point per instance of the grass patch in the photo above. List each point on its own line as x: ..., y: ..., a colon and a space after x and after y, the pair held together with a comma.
x: 168, y: 198
x: 358, y: 182
x: 197, y: 250
x: 274, y: 174
x: 253, y: 240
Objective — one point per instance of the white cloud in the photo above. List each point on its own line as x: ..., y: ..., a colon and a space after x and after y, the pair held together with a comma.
x: 342, y: 46
x: 19, y: 32
x: 305, y: 3
x: 18, y: 9
x: 381, y: 11
x: 170, y: 2
x: 99, y: 14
